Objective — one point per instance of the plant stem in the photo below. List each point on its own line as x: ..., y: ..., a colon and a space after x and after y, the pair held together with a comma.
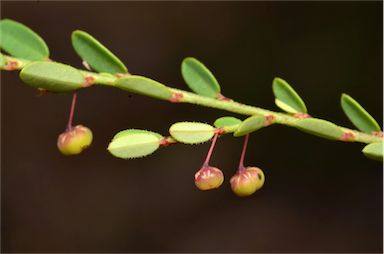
x: 227, y: 105
x: 71, y: 113
x: 241, y: 163
x: 208, y: 158
x: 279, y: 118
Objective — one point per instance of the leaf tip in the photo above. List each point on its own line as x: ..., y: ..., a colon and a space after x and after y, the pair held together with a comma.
x: 344, y: 96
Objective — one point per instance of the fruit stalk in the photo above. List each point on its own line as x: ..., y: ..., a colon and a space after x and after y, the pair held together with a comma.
x: 207, y: 159
x: 71, y: 113
x: 241, y: 162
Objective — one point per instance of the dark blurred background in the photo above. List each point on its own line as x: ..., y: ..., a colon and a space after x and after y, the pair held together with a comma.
x: 319, y: 195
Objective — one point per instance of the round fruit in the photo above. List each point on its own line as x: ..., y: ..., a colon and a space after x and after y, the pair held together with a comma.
x: 247, y: 181
x: 74, y: 140
x: 208, y: 178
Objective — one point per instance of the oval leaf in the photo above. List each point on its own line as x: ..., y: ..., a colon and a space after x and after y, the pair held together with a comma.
x: 51, y: 76
x: 226, y: 121
x: 191, y: 132
x: 249, y: 125
x: 374, y: 151
x: 358, y: 115
x: 144, y: 86
x: 135, y: 131
x: 20, y: 41
x: 96, y: 54
x: 321, y: 128
x: 286, y: 98
x: 134, y: 145
x: 199, y: 78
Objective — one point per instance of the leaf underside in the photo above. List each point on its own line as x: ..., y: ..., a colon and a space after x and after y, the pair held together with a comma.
x: 226, y: 121
x: 249, y: 125
x: 144, y: 86
x: 135, y: 131
x: 134, y: 145
x: 358, y: 115
x: 191, y: 132
x: 321, y: 128
x: 374, y: 151
x: 51, y: 76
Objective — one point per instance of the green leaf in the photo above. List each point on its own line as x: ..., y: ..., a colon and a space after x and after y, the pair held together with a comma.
x: 144, y: 86
x: 374, y: 151
x: 199, y: 78
x: 321, y: 128
x: 51, y: 76
x: 226, y: 121
x: 2, y: 60
x: 191, y: 132
x: 249, y: 125
x: 20, y: 41
x: 286, y: 98
x: 96, y: 54
x: 135, y: 131
x: 358, y: 115
x: 134, y: 144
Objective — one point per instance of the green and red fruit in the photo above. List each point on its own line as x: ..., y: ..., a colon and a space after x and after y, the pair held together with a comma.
x: 208, y: 178
x: 247, y: 181
x: 74, y: 140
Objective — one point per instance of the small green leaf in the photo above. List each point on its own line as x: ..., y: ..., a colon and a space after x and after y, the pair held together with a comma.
x: 358, y: 115
x: 20, y: 41
x: 286, y: 98
x: 226, y: 121
x: 134, y: 144
x: 191, y: 132
x: 51, y: 76
x: 144, y: 86
x: 321, y: 128
x: 199, y: 78
x: 249, y: 125
x: 135, y: 131
x: 96, y: 54
x: 374, y: 151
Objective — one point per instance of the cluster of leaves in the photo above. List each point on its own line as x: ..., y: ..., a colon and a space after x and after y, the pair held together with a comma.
x: 29, y: 53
